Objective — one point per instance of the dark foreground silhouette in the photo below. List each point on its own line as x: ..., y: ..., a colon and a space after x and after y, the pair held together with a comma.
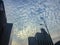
x: 5, y: 28
x: 6, y: 34
x: 40, y: 39
x: 57, y: 43
x: 2, y: 20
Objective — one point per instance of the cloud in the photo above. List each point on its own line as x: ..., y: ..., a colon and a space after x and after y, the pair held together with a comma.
x: 25, y: 14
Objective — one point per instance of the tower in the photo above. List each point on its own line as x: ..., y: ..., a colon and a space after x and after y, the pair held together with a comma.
x: 2, y: 21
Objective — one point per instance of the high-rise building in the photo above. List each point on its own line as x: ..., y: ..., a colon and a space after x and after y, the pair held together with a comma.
x: 5, y: 28
x: 42, y: 38
x: 2, y: 20
x: 32, y: 41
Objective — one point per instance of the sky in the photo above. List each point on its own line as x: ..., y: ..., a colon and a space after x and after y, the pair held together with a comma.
x: 25, y: 16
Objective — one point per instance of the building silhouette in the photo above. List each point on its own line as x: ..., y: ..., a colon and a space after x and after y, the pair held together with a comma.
x: 5, y: 28
x: 32, y: 41
x: 2, y: 20
x: 41, y: 38
x: 57, y: 43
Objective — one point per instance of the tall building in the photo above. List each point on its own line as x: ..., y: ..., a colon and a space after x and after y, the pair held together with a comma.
x: 2, y: 16
x: 2, y: 21
x: 32, y: 41
x: 5, y: 28
x: 42, y: 38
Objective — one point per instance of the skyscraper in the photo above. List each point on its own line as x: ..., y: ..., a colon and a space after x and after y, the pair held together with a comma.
x: 2, y: 21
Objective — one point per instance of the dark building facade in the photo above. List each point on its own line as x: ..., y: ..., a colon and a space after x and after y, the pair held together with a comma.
x: 2, y: 21
x: 41, y: 39
x: 32, y: 41
x: 5, y: 28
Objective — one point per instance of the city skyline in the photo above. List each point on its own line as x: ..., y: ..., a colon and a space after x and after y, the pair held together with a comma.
x: 25, y: 16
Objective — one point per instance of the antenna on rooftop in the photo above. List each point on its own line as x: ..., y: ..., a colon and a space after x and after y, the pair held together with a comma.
x: 45, y: 24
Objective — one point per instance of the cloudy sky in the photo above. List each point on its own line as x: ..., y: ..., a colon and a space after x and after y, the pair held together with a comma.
x: 25, y: 16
